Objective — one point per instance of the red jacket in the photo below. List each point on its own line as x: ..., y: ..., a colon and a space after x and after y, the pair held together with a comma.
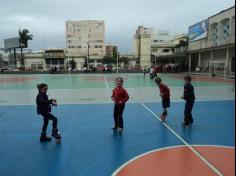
x: 165, y: 91
x: 120, y: 95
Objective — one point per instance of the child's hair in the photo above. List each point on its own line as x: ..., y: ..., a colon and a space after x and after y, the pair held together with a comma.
x: 158, y: 80
x: 188, y: 78
x: 42, y: 85
x: 120, y: 78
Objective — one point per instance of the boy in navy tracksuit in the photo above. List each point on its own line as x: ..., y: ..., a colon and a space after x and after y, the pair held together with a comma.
x: 165, y: 95
x: 44, y: 109
x: 189, y: 97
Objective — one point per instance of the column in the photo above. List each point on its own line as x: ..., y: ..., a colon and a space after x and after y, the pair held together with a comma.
x: 211, y: 59
x: 227, y: 62
x: 189, y: 62
x: 199, y: 59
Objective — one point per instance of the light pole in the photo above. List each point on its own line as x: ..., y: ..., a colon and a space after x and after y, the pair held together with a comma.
x: 117, y: 66
x: 87, y: 62
x: 69, y: 69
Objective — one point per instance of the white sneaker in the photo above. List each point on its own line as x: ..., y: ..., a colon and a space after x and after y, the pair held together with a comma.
x: 113, y: 128
x: 119, y: 130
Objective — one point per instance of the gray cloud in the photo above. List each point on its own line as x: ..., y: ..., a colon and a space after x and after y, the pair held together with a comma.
x: 46, y: 18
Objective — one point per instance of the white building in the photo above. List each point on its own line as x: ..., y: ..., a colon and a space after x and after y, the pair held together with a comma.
x: 148, y: 43
x: 85, y: 41
x: 162, y: 43
x: 215, y: 44
x: 142, y: 45
x: 4, y: 55
x: 35, y: 61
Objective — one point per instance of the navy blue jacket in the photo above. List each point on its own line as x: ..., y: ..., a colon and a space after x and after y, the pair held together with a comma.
x: 189, y: 94
x: 43, y: 104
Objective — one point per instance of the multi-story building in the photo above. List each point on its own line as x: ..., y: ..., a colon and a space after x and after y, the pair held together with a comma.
x: 142, y: 45
x: 85, y: 41
x: 212, y: 41
x: 162, y: 44
x: 111, y: 50
x: 150, y: 46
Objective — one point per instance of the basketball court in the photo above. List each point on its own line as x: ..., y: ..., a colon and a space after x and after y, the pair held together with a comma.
x: 85, y: 114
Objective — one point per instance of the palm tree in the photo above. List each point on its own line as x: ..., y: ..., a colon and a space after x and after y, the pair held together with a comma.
x: 24, y: 38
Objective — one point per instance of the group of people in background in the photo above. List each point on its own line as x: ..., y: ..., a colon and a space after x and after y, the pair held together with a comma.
x: 120, y: 97
x: 152, y: 71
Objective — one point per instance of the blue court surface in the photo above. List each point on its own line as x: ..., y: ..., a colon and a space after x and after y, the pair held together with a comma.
x: 88, y: 146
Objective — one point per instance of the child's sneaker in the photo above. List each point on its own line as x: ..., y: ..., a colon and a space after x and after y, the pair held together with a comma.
x: 113, y: 128
x: 119, y: 131
x: 44, y: 138
x: 184, y: 124
x: 56, y: 134
x: 163, y: 118
x: 114, y: 131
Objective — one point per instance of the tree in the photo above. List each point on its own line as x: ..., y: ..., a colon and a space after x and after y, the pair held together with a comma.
x: 181, y: 43
x: 109, y: 60
x: 1, y: 59
x: 73, y: 64
x: 24, y: 38
x: 125, y: 60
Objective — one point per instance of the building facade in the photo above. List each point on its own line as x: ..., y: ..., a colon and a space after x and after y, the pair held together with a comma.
x: 151, y: 47
x: 111, y: 50
x: 35, y: 61
x: 142, y: 46
x: 162, y: 44
x: 85, y: 41
x: 215, y: 50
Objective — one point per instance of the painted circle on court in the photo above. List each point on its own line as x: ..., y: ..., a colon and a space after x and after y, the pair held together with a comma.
x: 181, y: 161
x: 17, y: 80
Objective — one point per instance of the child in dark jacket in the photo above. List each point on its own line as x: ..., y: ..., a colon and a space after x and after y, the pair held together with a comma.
x: 189, y: 97
x: 44, y: 109
x: 120, y: 97
x: 165, y: 95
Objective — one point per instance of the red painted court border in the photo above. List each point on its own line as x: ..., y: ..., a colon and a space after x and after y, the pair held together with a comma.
x: 179, y: 160
x: 16, y: 80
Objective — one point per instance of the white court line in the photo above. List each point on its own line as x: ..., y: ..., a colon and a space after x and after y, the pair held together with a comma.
x: 108, y: 102
x: 186, y: 143
x: 161, y: 149
x: 105, y: 79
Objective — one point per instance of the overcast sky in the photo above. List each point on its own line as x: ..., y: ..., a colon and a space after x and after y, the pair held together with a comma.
x: 45, y: 19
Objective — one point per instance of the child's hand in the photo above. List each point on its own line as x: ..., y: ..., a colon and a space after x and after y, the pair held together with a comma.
x: 120, y: 103
x: 162, y: 95
x: 54, y: 102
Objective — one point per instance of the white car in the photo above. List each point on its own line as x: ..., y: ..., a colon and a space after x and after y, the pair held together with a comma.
x: 8, y: 69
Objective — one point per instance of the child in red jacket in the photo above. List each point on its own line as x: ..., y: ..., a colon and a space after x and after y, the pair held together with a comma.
x: 120, y: 97
x: 165, y: 95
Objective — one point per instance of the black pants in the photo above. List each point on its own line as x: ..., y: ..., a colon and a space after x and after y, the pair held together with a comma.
x: 165, y: 105
x: 188, y: 118
x: 46, y: 118
x: 151, y: 75
x: 118, y: 115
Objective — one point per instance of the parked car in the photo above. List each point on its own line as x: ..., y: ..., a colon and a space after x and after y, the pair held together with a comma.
x: 3, y: 69
x: 115, y: 68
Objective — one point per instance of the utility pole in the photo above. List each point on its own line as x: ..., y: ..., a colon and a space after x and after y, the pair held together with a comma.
x: 117, y: 62
x: 87, y: 62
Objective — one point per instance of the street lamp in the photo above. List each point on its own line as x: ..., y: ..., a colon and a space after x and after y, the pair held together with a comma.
x: 117, y: 67
x: 87, y: 62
